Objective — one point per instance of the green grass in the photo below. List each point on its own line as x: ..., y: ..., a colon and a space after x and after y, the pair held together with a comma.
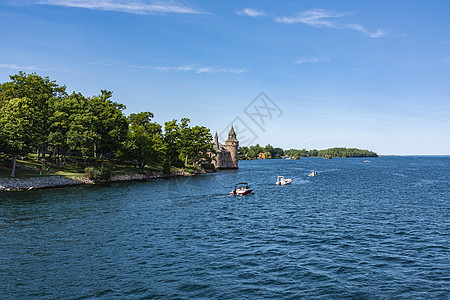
x: 73, y: 167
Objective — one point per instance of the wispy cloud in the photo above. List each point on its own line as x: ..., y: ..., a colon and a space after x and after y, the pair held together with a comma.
x: 133, y: 7
x: 313, y: 17
x: 251, y: 12
x: 102, y: 63
x: 309, y: 141
x: 207, y: 69
x: 330, y: 19
x: 375, y: 34
x: 312, y: 60
x: 17, y: 67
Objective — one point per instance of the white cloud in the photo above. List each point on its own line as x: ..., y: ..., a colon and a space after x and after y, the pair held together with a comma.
x: 378, y: 33
x: 251, y: 12
x: 200, y: 70
x: 102, y: 63
x: 133, y: 7
x: 313, y: 17
x: 312, y: 60
x: 17, y: 67
x: 326, y: 18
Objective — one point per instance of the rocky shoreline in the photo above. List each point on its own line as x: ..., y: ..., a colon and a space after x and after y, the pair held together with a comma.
x: 46, y: 182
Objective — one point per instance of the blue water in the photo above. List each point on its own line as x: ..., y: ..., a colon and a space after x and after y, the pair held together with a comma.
x: 378, y: 230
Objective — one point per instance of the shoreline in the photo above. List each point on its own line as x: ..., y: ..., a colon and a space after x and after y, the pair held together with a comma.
x: 58, y: 181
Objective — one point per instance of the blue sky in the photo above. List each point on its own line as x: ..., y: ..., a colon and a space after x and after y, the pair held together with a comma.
x: 367, y: 74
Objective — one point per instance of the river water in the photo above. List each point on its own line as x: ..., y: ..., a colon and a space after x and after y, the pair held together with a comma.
x: 365, y: 230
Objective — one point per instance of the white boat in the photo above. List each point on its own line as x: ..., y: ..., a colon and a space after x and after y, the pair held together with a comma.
x: 283, y: 181
x: 241, y: 188
x: 313, y: 173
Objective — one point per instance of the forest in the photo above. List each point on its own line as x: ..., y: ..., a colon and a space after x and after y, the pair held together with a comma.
x: 39, y: 120
x: 253, y: 152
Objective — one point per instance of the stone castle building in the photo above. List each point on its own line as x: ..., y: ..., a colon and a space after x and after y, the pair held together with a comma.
x: 226, y: 157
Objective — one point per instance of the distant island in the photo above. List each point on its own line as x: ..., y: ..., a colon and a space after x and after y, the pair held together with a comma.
x: 269, y: 152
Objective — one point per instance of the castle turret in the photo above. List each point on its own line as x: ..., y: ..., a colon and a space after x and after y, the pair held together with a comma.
x: 216, y: 142
x: 232, y: 145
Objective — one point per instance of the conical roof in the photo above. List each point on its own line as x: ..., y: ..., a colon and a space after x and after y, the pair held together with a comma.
x: 232, y: 135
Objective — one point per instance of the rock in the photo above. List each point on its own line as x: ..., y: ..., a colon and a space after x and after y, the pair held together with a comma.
x: 11, y: 184
x: 33, y: 183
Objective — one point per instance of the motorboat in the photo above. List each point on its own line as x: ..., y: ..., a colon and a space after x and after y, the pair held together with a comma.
x: 241, y: 188
x: 366, y: 161
x: 283, y: 181
x: 313, y: 173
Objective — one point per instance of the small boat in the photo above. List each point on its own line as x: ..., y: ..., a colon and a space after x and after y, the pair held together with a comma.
x: 283, y: 181
x: 367, y: 160
x: 241, y: 188
x: 313, y: 173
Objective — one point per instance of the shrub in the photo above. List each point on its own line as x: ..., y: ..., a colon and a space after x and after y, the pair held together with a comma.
x: 208, y: 166
x: 98, y: 173
x: 166, y: 168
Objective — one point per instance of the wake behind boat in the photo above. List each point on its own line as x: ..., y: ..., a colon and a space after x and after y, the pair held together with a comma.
x: 241, y: 188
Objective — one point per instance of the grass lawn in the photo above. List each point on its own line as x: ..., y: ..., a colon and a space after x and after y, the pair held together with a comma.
x: 74, y: 167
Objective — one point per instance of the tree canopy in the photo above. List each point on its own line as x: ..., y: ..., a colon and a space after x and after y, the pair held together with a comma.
x: 19, y: 127
x: 269, y: 151
x: 37, y: 114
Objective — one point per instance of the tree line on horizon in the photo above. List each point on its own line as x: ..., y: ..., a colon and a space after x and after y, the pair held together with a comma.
x: 253, y: 152
x: 38, y: 115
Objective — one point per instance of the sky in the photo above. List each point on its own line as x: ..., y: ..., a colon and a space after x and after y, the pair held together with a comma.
x: 294, y: 74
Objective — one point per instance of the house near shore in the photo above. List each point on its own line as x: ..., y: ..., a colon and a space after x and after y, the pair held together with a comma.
x: 226, y: 156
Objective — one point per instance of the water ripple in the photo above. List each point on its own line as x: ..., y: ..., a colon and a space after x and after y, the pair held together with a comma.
x: 355, y: 231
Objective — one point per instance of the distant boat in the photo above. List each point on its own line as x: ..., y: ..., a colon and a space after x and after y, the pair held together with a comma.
x: 313, y: 173
x: 241, y: 188
x: 367, y: 160
x: 283, y: 181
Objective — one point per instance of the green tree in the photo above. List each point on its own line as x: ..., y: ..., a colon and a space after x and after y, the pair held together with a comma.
x: 255, y: 150
x: 347, y: 152
x: 41, y: 92
x: 278, y: 152
x: 109, y: 124
x: 313, y: 153
x: 269, y: 151
x: 19, y: 130
x: 195, y: 144
x: 81, y: 135
x: 62, y: 122
x: 243, y: 152
x: 144, y: 142
x: 95, y: 126
x: 172, y: 142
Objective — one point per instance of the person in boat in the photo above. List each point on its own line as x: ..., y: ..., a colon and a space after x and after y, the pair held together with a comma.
x: 234, y: 191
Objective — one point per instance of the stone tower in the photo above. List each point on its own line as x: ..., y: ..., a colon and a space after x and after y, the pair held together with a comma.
x: 216, y: 141
x: 232, y: 145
